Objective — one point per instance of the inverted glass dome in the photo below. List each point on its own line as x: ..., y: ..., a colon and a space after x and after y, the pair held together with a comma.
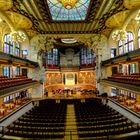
x: 68, y: 9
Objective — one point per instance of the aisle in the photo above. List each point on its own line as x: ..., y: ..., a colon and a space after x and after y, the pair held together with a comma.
x: 71, y: 127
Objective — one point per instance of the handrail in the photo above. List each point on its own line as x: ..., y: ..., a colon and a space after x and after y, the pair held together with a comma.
x: 6, y: 91
x: 122, y: 56
x: 10, y: 57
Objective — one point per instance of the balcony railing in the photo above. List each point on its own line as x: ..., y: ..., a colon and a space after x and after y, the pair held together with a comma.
x: 126, y: 57
x: 11, y: 58
x: 17, y: 88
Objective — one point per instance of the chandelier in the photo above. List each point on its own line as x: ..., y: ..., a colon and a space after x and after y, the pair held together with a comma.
x: 18, y: 36
x: 68, y: 4
x: 137, y: 18
x: 119, y: 35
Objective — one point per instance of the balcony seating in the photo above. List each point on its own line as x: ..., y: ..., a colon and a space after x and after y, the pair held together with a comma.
x: 10, y: 82
x: 133, y: 79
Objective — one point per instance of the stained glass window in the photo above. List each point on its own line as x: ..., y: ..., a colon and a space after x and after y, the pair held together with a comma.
x: 8, y: 71
x: 17, y: 71
x: 8, y: 44
x: 52, y: 58
x: 127, y: 45
x: 17, y: 49
x: 68, y: 10
x: 113, y: 52
x: 87, y: 57
x: 11, y: 47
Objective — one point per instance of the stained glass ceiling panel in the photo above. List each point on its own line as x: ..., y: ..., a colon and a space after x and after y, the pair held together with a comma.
x: 68, y: 9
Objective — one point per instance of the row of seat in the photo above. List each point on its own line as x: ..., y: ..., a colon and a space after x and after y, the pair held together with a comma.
x: 15, y: 82
x: 98, y: 120
x: 101, y: 120
x: 128, y: 79
x: 41, y: 122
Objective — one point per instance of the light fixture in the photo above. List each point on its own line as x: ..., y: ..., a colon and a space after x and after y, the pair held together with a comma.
x: 18, y: 36
x: 68, y: 4
x: 119, y: 35
x: 137, y: 18
x: 68, y: 40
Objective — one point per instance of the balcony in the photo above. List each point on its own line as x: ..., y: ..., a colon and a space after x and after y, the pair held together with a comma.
x: 124, y: 57
x: 129, y: 87
x: 15, y: 59
x: 9, y: 90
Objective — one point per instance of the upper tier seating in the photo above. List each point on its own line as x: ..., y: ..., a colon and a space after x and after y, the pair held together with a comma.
x: 10, y: 82
x: 133, y: 79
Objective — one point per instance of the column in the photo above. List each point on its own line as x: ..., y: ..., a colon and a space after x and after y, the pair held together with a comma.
x: 98, y: 67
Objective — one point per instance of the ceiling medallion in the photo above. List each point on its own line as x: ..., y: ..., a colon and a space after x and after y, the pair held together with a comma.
x: 68, y: 4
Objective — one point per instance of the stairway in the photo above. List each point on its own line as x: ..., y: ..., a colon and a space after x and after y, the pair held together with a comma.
x: 71, y: 127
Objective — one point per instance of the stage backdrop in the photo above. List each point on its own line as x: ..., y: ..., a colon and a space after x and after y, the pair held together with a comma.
x: 61, y: 80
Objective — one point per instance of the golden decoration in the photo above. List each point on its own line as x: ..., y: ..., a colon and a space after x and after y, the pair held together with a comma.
x: 19, y: 21
x: 119, y: 35
x: 31, y: 33
x: 6, y: 4
x: 68, y: 4
x: 18, y: 36
x: 117, y: 20
x: 106, y: 32
x: 4, y: 28
x: 130, y: 4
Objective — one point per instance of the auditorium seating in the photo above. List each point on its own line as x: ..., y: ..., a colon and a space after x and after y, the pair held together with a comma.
x: 133, y: 79
x: 6, y: 82
x: 44, y: 121
x: 97, y: 120
x: 93, y: 119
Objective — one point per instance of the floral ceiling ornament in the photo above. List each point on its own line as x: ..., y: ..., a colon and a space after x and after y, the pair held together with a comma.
x: 120, y: 34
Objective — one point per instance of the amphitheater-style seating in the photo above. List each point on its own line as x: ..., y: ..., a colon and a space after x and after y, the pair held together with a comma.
x: 44, y: 121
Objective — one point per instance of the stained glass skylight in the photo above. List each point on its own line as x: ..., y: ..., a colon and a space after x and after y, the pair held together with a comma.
x: 68, y: 9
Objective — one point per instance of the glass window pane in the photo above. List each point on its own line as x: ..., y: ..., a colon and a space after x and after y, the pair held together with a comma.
x: 60, y: 12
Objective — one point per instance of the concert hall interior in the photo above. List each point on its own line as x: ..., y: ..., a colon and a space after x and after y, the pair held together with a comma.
x: 70, y: 69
